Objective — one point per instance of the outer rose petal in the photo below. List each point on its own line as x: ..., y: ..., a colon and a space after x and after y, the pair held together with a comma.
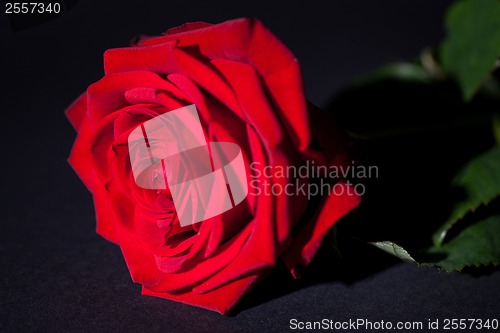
x: 307, y: 242
x: 81, y: 161
x: 335, y: 144
x: 220, y: 300
x: 76, y: 111
x: 187, y: 27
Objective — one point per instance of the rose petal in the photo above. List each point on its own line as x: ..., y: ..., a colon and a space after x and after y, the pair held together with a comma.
x: 167, y: 59
x: 248, y: 41
x: 308, y: 240
x: 108, y: 94
x: 187, y: 27
x: 221, y: 300
x: 204, y: 268
x: 76, y: 111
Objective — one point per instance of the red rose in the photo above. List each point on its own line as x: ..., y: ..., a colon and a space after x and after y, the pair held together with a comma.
x: 247, y: 88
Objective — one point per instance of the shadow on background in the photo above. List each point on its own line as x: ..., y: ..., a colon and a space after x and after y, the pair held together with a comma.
x: 419, y: 136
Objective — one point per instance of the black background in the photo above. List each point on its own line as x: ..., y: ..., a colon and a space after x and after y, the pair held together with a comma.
x: 56, y: 274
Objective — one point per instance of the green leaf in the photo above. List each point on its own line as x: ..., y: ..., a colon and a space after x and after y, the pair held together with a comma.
x: 395, y: 250
x: 476, y: 245
x: 403, y: 71
x: 480, y: 181
x: 473, y: 45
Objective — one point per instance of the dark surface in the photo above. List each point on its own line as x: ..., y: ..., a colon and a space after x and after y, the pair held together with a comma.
x: 56, y: 274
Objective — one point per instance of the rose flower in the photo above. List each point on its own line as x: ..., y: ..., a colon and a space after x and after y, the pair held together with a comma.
x: 247, y: 88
